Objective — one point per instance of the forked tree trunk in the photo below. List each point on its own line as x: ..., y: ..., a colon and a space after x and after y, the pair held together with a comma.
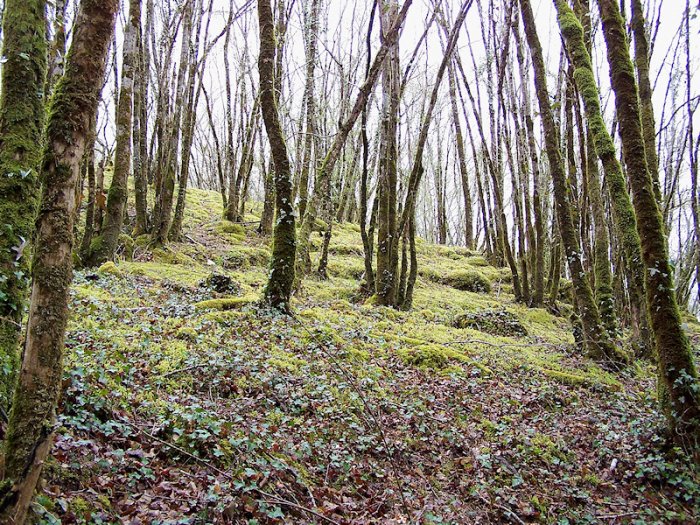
x: 596, y: 338
x: 21, y: 121
x: 676, y: 368
x: 31, y: 425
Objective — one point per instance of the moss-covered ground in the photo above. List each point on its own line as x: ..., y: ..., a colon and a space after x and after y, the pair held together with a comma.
x: 184, y: 405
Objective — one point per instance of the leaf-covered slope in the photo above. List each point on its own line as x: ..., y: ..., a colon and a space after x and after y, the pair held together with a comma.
x: 182, y: 405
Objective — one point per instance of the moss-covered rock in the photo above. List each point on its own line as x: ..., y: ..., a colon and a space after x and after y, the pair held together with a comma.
x: 220, y: 283
x: 109, y: 268
x: 169, y: 256
x: 492, y: 321
x: 231, y: 227
x: 468, y: 281
x: 242, y: 257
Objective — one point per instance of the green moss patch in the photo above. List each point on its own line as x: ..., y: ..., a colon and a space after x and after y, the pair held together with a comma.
x: 492, y: 321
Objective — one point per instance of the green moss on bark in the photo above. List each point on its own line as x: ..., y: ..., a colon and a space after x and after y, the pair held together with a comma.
x: 677, y: 370
x: 622, y: 209
x: 21, y: 122
x: 281, y: 281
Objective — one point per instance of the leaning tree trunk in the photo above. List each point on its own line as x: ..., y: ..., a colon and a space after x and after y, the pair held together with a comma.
x: 676, y: 368
x: 21, y: 121
x: 622, y: 209
x: 279, y: 286
x: 103, y: 247
x: 596, y: 339
x: 30, y: 429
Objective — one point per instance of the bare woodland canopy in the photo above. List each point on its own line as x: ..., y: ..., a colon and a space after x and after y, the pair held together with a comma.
x: 557, y: 139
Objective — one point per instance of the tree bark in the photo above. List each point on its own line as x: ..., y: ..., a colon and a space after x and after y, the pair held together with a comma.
x: 676, y: 367
x: 103, y: 247
x: 596, y: 339
x: 21, y: 122
x: 279, y: 286
x: 622, y: 209
x: 30, y: 429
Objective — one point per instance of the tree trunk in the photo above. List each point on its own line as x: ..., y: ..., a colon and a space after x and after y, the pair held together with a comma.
x: 30, y: 429
x: 597, y: 341
x: 646, y: 106
x: 21, y: 123
x: 103, y: 248
x: 141, y: 128
x: 676, y: 367
x: 462, y: 156
x: 279, y: 286
x: 309, y: 219
x: 310, y: 102
x: 163, y: 219
x: 622, y: 209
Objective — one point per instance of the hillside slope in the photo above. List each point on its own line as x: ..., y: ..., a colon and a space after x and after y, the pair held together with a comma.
x: 185, y: 403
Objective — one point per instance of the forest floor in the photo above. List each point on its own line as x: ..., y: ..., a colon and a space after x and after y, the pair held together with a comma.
x: 182, y: 405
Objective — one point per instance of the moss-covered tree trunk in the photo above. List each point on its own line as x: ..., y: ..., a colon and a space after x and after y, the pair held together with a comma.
x: 57, y: 50
x: 622, y: 209
x: 141, y: 161
x: 279, y: 286
x: 641, y: 60
x: 676, y: 367
x: 31, y: 425
x: 21, y: 121
x: 268, y: 212
x: 597, y: 342
x: 104, y: 246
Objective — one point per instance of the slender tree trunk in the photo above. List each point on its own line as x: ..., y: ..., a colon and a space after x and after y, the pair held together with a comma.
x: 103, y: 248
x: 268, y: 213
x: 462, y: 156
x: 310, y: 101
x: 21, y: 122
x: 279, y: 286
x: 163, y: 219
x: 596, y: 338
x: 676, y: 367
x: 89, y: 160
x: 141, y: 127
x: 417, y: 167
x: 641, y: 60
x: 30, y: 429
